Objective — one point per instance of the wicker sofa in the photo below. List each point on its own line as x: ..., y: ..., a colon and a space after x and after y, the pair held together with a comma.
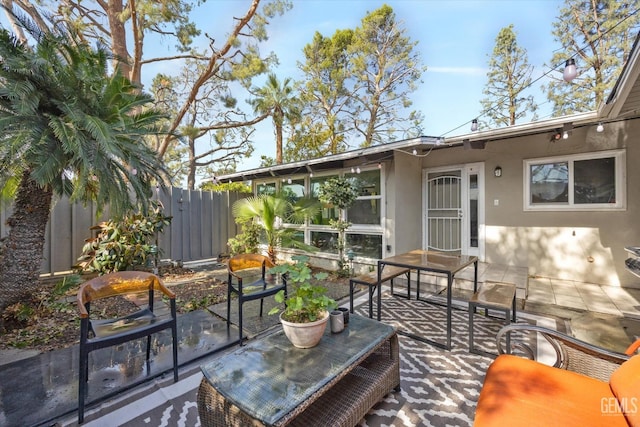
x: 586, y: 386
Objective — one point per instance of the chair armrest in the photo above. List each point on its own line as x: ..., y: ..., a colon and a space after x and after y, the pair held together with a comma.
x: 571, y: 353
x: 161, y: 286
x: 632, y: 348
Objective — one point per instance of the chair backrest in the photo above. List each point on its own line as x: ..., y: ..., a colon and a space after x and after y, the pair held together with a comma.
x: 119, y: 283
x: 625, y: 383
x: 246, y: 261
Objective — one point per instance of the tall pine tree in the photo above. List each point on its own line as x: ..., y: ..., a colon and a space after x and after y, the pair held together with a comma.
x: 507, y: 80
x: 599, y: 36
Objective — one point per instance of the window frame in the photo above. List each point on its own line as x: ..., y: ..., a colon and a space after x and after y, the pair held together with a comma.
x: 619, y: 157
x: 308, y: 228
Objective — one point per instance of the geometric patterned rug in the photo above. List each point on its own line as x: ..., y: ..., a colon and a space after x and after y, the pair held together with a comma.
x: 438, y: 387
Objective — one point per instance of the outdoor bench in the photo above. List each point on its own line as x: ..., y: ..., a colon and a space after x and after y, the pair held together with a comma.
x: 586, y: 386
x: 492, y: 295
x: 371, y: 280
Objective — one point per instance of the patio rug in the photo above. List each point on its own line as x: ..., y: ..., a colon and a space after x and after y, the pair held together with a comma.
x: 438, y: 387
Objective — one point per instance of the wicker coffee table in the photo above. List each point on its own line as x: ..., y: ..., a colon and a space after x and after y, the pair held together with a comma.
x: 269, y: 382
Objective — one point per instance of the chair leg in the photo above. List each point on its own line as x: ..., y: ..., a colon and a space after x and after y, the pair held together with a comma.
x: 228, y: 307
x: 148, y: 351
x: 261, y: 305
x: 82, y: 384
x: 240, y: 318
x: 174, y: 337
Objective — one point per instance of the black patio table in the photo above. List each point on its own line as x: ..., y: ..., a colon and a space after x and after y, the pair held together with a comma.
x: 435, y: 262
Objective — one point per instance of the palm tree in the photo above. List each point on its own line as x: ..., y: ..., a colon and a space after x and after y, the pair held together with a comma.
x: 68, y: 128
x: 277, y: 101
x: 271, y: 212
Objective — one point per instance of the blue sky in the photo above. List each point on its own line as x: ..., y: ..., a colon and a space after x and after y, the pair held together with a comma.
x: 455, y: 39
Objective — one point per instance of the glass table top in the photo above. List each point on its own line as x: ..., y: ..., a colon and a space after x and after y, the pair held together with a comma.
x: 431, y: 260
x: 269, y: 377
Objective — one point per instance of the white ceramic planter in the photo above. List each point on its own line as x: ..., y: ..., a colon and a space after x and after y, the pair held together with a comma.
x: 305, y: 335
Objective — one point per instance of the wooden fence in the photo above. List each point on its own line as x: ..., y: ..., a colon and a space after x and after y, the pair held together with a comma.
x: 201, y: 225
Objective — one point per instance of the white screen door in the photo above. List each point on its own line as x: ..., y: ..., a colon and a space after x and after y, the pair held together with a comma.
x: 454, y: 210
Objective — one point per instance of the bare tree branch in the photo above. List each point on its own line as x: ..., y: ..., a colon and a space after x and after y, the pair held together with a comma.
x: 206, y: 74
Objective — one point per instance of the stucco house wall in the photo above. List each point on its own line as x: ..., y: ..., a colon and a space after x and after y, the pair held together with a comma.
x: 404, y: 193
x: 584, y: 246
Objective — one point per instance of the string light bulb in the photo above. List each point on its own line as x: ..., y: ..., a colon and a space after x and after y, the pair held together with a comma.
x: 565, y: 135
x: 474, y: 125
x: 570, y: 71
x: 600, y: 128
x: 358, y: 169
x: 415, y: 152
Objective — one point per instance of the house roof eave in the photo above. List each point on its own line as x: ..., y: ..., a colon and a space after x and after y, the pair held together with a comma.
x: 335, y: 161
x: 623, y: 99
x: 525, y: 129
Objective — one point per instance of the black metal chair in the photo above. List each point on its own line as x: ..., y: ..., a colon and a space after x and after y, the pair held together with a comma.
x: 101, y: 333
x: 253, y: 267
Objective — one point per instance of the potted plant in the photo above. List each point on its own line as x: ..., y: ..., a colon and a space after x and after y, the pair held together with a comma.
x: 307, y: 305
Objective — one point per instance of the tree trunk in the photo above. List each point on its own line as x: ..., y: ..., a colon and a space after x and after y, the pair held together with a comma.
x: 191, y: 169
x: 21, y: 250
x: 119, y: 39
x: 278, y: 144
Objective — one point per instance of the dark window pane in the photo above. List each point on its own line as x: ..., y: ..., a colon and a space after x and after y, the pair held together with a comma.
x: 550, y: 183
x: 365, y: 212
x: 367, y: 182
x: 327, y: 213
x: 326, y: 242
x: 266, y: 188
x: 365, y: 245
x: 595, y: 181
x: 293, y: 191
x: 366, y: 209
x: 297, y: 236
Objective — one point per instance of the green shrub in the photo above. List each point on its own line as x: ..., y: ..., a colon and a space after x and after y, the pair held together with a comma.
x: 248, y: 240
x: 123, y: 244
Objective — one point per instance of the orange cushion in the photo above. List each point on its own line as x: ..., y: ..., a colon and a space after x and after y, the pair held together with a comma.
x: 625, y: 384
x: 521, y: 392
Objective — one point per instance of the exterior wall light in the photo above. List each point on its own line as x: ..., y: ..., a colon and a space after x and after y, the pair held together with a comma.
x: 497, y: 172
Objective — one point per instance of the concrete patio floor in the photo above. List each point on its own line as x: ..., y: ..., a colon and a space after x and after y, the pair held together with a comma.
x: 37, y: 388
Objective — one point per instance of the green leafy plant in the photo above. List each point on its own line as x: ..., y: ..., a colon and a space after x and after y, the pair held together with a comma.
x: 270, y: 212
x: 341, y: 193
x: 248, y: 240
x: 305, y: 301
x: 123, y: 244
x: 220, y: 187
